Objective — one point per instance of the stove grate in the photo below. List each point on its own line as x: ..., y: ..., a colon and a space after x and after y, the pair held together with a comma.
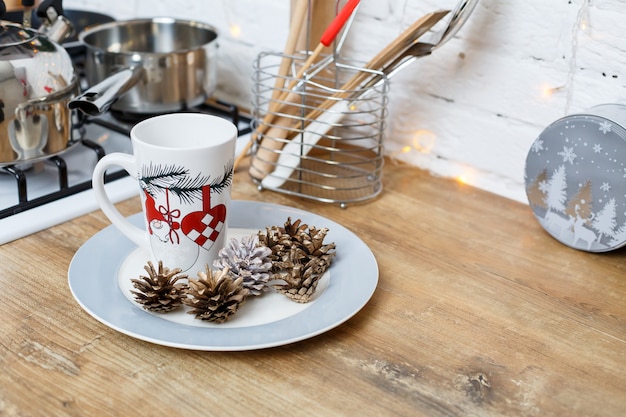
x: 220, y: 108
x: 64, y: 189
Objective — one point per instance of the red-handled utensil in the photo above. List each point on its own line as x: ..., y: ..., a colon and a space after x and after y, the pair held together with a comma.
x: 283, y: 100
x: 338, y: 22
x: 328, y: 37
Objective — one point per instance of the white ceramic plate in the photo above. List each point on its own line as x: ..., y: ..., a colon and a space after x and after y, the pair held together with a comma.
x: 100, y: 273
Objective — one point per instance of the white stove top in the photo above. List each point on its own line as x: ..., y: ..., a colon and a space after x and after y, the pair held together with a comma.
x: 42, y: 179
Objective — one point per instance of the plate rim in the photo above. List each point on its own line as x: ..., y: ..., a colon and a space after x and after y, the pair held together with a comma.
x: 357, y: 266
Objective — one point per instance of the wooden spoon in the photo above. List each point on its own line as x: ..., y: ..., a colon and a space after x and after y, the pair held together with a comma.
x: 283, y: 129
x: 286, y: 99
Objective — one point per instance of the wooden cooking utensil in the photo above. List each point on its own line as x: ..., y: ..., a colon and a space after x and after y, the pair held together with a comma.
x: 285, y: 99
x: 321, y: 13
x: 283, y: 129
x: 387, y: 54
x: 295, y: 30
x: 327, y: 38
x: 297, y: 21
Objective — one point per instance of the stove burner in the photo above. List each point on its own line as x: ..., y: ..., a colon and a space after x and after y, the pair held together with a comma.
x: 129, y: 117
x: 39, y: 194
x: 20, y: 175
x: 92, y: 130
x: 217, y: 107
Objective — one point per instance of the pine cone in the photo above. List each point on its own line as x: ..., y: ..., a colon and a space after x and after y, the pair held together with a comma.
x: 313, y: 243
x: 299, y: 257
x: 294, y: 229
x: 159, y: 291
x: 215, y: 296
x: 301, y: 283
x: 247, y: 260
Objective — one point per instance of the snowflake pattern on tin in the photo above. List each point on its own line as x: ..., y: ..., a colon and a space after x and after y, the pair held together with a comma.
x: 575, y: 184
x: 537, y: 147
x: 605, y: 127
x: 568, y: 154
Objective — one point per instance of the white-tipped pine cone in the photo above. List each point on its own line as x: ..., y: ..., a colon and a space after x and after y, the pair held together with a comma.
x: 246, y: 259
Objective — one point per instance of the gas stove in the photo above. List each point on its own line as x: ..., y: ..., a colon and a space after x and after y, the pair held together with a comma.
x: 42, y: 194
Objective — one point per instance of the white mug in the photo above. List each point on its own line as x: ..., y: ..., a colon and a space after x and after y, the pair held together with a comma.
x: 183, y: 163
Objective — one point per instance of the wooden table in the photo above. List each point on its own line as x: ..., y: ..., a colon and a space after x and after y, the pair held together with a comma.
x: 478, y: 312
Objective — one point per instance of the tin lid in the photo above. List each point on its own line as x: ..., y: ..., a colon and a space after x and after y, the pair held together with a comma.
x: 575, y: 179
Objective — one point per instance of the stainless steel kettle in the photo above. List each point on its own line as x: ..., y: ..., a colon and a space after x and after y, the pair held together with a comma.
x: 37, y: 81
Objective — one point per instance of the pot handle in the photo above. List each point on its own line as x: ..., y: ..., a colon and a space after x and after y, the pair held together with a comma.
x: 54, y: 25
x: 49, y: 10
x: 99, y: 98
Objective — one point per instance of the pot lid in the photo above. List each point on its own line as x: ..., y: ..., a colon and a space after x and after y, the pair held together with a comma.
x: 31, y: 65
x: 11, y: 35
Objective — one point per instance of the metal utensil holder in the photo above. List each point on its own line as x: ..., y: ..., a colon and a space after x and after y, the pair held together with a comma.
x: 325, y: 143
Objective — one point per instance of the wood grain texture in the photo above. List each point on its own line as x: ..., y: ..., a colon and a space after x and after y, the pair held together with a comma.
x: 478, y: 312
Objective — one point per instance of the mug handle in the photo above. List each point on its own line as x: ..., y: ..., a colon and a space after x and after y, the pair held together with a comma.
x: 126, y: 161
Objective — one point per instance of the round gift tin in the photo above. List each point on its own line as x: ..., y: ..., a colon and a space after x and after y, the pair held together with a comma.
x: 575, y: 179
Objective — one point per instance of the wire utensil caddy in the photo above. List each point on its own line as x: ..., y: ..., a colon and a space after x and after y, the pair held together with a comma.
x: 321, y: 142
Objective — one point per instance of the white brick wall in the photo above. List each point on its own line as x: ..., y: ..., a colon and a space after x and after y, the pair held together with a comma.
x: 474, y: 107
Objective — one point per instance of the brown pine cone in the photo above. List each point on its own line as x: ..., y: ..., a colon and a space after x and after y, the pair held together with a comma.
x: 215, y: 296
x: 299, y: 257
x: 160, y: 291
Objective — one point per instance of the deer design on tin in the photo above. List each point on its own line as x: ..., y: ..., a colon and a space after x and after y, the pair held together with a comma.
x: 581, y: 232
x: 557, y: 224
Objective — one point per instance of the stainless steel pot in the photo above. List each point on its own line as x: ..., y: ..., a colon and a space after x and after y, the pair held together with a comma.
x: 37, y: 81
x: 148, y: 66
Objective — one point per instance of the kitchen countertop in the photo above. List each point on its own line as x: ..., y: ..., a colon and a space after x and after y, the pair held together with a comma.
x: 478, y: 311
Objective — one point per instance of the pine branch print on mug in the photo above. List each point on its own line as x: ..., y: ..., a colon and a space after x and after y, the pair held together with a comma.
x: 183, y: 163
x: 202, y: 227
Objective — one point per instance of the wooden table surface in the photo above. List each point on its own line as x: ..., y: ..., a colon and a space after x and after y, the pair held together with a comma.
x: 478, y: 312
